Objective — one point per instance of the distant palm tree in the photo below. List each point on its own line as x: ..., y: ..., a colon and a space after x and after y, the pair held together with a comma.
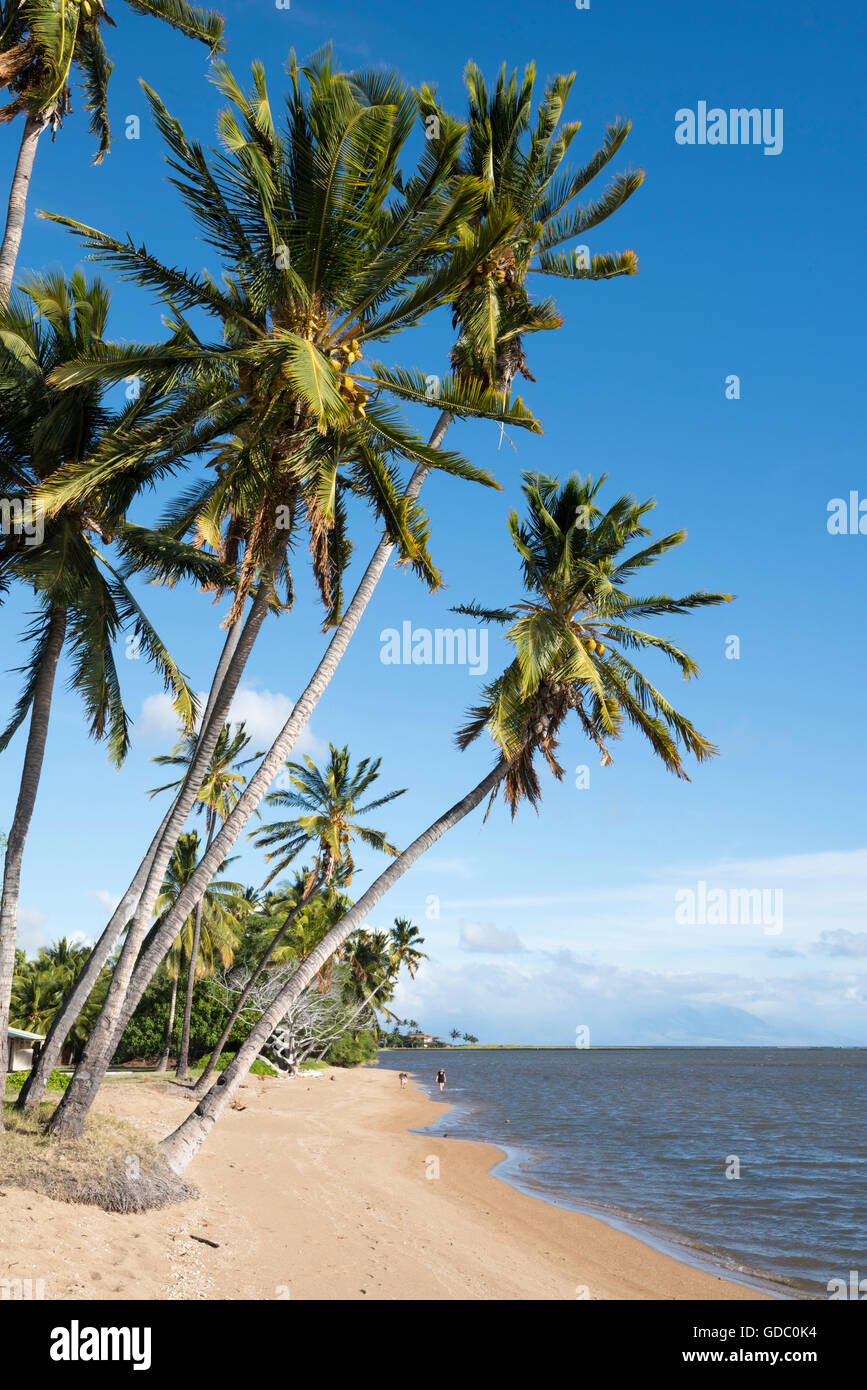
x: 455, y: 1034
x: 219, y: 792
x: 210, y: 933
x: 329, y: 798
x: 40, y: 43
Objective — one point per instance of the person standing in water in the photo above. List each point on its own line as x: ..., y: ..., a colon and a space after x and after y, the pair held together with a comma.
x: 441, y: 1079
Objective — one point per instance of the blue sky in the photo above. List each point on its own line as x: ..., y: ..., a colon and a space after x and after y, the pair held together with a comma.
x: 568, y: 919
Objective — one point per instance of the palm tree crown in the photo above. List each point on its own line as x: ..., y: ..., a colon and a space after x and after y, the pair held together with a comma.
x: 41, y: 41
x: 572, y: 632
x: 41, y: 430
x: 223, y: 781
x: 327, y: 250
x: 329, y: 798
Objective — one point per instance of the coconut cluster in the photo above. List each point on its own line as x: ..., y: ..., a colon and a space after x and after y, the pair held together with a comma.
x: 499, y: 265
x: 342, y: 358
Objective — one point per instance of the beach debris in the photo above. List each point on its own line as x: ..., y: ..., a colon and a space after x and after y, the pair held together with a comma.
x: 203, y: 1240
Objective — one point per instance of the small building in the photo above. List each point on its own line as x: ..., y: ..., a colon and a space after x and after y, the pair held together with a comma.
x: 424, y: 1040
x: 21, y: 1049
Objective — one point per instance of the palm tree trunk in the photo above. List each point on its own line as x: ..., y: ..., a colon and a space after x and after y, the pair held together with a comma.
x: 182, y: 1071
x: 181, y: 1147
x: 201, y: 1085
x: 83, y: 1087
x: 34, y: 1089
x: 34, y: 754
x: 33, y: 128
x: 164, y: 1060
x: 68, y: 1119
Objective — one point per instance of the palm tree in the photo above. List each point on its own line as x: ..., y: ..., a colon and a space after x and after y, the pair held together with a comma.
x: 329, y: 798
x: 35, y: 995
x: 574, y: 573
x: 83, y: 603
x: 321, y: 261
x: 405, y: 942
x: 41, y: 41
x: 331, y: 821
x: 489, y: 222
x: 217, y: 795
x: 209, y: 934
x: 173, y: 964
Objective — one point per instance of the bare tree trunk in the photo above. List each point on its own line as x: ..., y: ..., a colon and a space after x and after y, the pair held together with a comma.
x: 180, y: 1147
x: 68, y: 1119
x: 202, y: 1084
x: 34, y: 754
x: 164, y: 1060
x: 127, y: 989
x: 34, y: 1088
x: 33, y: 127
x: 182, y: 1070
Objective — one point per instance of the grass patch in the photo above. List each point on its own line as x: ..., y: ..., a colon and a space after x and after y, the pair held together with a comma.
x: 311, y: 1065
x: 114, y: 1166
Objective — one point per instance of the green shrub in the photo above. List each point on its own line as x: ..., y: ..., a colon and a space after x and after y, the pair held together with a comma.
x: 57, y: 1081
x: 145, y: 1034
x: 259, y: 1068
x: 352, y: 1050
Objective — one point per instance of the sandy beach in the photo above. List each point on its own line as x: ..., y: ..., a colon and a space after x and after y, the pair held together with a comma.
x: 314, y: 1189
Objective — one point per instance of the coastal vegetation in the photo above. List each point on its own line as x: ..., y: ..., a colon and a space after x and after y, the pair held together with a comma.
x: 333, y: 239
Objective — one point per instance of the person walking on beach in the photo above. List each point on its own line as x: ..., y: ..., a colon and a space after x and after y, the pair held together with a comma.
x: 441, y: 1079
x: 402, y: 1078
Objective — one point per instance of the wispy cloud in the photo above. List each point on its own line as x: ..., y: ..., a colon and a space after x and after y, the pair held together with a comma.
x: 264, y: 712
x: 486, y: 936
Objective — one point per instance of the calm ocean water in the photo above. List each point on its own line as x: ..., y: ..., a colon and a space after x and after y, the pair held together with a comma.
x: 644, y: 1137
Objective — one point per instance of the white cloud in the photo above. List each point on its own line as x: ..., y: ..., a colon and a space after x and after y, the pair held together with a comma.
x: 31, y: 929
x: 485, y: 936
x: 546, y: 998
x: 105, y: 899
x: 842, y: 943
x: 263, y: 711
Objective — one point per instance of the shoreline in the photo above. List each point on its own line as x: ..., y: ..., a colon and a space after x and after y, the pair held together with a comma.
x: 647, y: 1232
x: 317, y: 1188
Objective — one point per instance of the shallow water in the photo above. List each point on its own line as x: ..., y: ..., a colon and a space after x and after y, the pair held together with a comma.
x: 645, y: 1137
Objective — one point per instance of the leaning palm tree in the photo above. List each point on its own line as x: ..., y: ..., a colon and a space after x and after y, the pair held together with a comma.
x: 41, y: 42
x: 575, y: 573
x: 83, y: 604
x: 209, y: 935
x: 216, y: 797
x: 375, y: 960
x: 524, y: 194
x: 332, y: 818
x: 488, y: 223
x: 323, y: 257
